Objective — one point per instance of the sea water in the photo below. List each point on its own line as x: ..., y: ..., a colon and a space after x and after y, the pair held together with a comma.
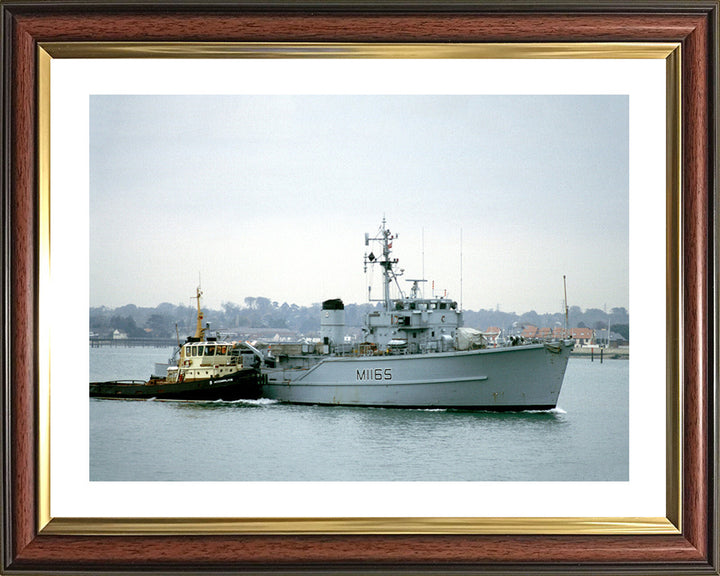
x: 584, y: 439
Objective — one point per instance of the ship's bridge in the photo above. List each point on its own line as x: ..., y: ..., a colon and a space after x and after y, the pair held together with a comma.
x: 208, y: 353
x: 422, y: 324
x: 425, y: 304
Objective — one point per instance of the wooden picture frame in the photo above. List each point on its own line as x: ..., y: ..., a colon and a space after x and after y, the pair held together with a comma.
x: 30, y: 545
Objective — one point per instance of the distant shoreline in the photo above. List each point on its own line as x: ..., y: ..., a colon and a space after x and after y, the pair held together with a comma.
x: 607, y: 353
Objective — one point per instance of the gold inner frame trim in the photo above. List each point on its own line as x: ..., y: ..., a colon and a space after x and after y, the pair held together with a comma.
x: 44, y: 360
x: 289, y: 526
x: 674, y: 311
x: 574, y: 50
x: 435, y: 525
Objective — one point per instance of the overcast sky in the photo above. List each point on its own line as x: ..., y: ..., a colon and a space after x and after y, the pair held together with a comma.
x: 271, y: 196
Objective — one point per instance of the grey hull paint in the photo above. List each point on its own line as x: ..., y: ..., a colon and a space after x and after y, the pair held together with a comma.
x: 514, y: 378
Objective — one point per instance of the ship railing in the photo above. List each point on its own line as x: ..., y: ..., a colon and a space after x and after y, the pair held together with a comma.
x: 128, y: 382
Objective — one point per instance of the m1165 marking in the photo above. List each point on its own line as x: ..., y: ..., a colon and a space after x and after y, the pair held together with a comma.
x: 374, y: 374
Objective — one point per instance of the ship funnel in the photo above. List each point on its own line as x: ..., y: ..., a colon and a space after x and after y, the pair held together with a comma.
x: 332, y: 323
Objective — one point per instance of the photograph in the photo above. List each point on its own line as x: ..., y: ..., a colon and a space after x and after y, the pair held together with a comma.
x: 356, y: 280
x: 359, y: 288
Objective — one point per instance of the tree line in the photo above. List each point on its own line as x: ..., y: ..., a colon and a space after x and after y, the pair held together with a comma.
x: 167, y: 320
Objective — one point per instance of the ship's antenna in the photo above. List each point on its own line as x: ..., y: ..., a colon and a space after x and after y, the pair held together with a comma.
x: 423, y: 260
x: 461, y: 269
x: 566, y: 306
x: 607, y: 343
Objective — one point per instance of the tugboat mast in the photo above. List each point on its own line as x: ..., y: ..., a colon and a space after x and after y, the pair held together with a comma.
x: 199, y: 330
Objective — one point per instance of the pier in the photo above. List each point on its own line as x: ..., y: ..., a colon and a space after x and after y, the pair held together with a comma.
x: 600, y: 354
x: 128, y: 342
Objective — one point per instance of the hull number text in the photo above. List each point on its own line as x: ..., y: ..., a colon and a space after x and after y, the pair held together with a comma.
x: 374, y: 374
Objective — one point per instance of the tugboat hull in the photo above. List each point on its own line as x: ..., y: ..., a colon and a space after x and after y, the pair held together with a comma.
x: 244, y: 384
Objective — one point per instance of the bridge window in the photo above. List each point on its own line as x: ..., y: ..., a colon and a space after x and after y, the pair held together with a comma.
x: 209, y: 350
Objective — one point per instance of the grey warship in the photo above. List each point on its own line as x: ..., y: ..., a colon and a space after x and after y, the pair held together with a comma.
x: 415, y: 354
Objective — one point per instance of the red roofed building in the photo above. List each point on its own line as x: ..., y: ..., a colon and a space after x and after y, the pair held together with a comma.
x: 491, y: 334
x: 529, y: 331
x: 544, y: 333
x: 582, y: 336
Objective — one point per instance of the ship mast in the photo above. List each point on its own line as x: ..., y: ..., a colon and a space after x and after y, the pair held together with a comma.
x: 386, y: 263
x: 199, y: 330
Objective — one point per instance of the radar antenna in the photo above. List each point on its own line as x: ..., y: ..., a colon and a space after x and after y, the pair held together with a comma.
x: 414, y: 291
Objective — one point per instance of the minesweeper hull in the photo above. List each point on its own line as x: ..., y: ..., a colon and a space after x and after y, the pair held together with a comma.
x: 527, y: 377
x: 244, y: 384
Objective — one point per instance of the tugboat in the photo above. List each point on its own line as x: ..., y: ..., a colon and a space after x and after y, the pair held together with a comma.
x: 207, y: 369
x: 416, y: 354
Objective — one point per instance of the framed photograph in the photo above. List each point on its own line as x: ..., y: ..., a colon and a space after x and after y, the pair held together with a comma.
x: 126, y: 123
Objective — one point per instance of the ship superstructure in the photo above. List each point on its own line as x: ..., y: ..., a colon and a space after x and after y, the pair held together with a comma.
x: 411, y: 324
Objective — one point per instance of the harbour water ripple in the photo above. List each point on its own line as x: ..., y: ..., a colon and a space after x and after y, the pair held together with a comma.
x: 584, y: 439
